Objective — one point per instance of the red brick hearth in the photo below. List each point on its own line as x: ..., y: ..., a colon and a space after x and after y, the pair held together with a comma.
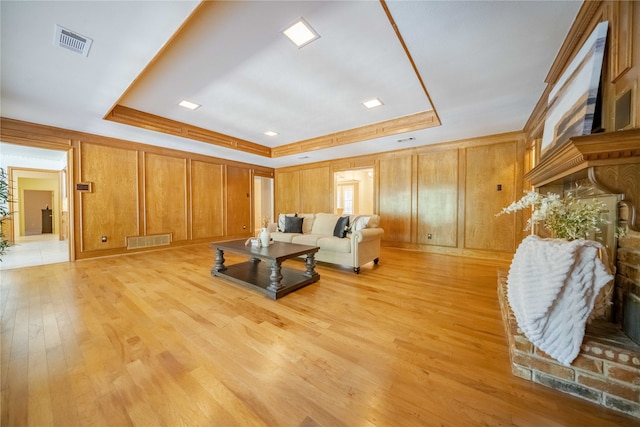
x: 606, y: 372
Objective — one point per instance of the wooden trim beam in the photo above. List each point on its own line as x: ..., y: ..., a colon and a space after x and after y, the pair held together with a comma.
x: 132, y: 117
x: 423, y: 120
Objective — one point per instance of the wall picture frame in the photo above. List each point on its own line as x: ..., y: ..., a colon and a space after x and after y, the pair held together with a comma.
x: 572, y: 101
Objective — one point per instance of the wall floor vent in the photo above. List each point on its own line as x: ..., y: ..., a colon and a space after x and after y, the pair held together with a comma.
x: 137, y: 242
x: 71, y: 40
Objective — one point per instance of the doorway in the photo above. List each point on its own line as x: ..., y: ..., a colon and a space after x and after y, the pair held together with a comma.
x: 353, y: 189
x: 39, y: 227
x: 38, y: 216
x: 262, y: 201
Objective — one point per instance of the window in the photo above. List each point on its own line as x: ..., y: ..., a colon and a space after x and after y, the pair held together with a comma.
x: 346, y: 198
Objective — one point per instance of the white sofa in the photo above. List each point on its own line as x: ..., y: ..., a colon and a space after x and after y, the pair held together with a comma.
x: 360, y: 245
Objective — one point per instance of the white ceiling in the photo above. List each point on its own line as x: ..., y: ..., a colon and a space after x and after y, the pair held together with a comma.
x: 483, y: 64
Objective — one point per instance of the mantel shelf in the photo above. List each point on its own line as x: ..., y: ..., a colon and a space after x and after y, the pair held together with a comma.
x: 583, y: 152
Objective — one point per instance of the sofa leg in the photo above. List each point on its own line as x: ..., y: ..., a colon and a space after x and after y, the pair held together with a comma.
x: 376, y: 261
x: 356, y: 270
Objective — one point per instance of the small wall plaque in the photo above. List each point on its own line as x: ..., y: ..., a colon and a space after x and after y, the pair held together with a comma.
x: 83, y: 186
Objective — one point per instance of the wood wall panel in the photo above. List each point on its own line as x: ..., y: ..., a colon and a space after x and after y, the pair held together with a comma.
x: 166, y: 196
x: 395, y: 198
x: 438, y: 198
x: 319, y: 199
x: 207, y: 198
x: 623, y: 179
x: 111, y: 209
x: 238, y: 202
x: 287, y: 192
x: 487, y: 167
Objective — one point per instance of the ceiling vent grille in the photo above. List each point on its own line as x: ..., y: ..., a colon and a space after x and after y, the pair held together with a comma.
x: 73, y: 41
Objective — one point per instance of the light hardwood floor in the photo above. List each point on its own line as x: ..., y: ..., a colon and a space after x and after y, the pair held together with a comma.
x: 152, y: 339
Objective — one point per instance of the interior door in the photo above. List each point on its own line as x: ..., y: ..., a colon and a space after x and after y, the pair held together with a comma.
x: 238, y: 202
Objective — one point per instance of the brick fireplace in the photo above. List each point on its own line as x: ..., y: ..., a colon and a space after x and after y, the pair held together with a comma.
x: 607, y: 369
x: 606, y: 372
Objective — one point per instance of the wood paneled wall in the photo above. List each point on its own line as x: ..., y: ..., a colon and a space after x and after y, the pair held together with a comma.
x: 111, y: 209
x: 490, y: 184
x: 165, y: 196
x: 140, y: 190
x: 396, y: 197
x: 437, y: 210
x: 207, y: 195
x: 316, y: 201
x: 439, y: 198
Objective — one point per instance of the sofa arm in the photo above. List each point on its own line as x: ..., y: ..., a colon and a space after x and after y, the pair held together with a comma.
x: 367, y: 234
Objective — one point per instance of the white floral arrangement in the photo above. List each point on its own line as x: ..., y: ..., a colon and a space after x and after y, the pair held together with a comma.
x: 566, y: 218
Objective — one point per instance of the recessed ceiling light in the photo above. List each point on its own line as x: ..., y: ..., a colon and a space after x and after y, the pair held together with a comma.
x: 373, y: 103
x: 188, y: 104
x: 271, y: 133
x: 301, y: 33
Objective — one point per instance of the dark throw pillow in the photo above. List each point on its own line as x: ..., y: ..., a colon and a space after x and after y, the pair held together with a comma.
x: 342, y: 226
x: 293, y: 224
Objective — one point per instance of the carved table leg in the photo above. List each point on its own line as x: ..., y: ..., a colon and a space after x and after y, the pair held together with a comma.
x: 219, y: 261
x: 311, y: 265
x: 276, y: 277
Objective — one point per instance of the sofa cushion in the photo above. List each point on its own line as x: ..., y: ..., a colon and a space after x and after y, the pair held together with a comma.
x: 293, y: 224
x: 342, y: 226
x: 279, y: 236
x: 306, y: 239
x: 324, y: 224
x: 334, y: 244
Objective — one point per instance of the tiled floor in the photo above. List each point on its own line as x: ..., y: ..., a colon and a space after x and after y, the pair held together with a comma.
x: 35, y: 250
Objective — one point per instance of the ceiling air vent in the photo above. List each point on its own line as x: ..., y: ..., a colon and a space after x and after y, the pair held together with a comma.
x: 72, y: 41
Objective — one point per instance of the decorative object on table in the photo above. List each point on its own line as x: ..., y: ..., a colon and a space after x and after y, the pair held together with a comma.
x: 265, y: 236
x: 254, y: 242
x: 569, y: 218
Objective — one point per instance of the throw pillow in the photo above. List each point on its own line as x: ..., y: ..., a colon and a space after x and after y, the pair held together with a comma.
x: 293, y: 224
x: 281, y: 218
x: 342, y: 226
x: 360, y: 223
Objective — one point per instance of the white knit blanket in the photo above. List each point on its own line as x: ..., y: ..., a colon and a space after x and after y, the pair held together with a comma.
x: 552, y: 286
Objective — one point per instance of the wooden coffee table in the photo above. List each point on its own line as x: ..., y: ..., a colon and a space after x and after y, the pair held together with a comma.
x: 268, y: 277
